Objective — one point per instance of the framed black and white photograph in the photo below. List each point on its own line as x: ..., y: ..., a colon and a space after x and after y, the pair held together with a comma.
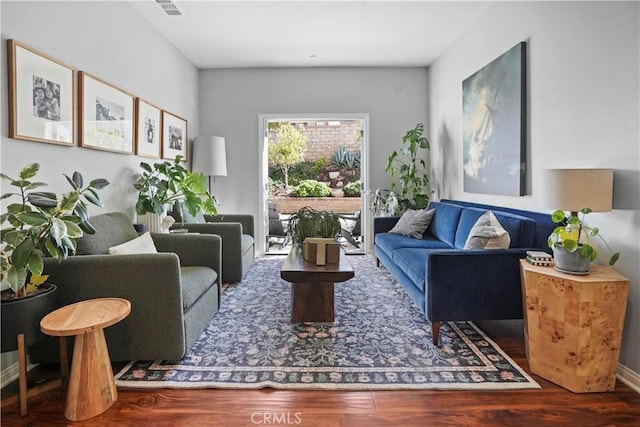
x: 41, y: 96
x: 106, y: 116
x: 174, y: 136
x: 148, y: 129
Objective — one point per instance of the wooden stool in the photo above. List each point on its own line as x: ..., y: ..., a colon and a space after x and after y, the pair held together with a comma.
x: 92, y: 388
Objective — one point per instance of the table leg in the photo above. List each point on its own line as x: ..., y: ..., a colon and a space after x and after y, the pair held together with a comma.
x: 312, y: 302
x: 92, y: 389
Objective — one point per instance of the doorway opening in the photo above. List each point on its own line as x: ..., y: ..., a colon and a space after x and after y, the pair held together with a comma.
x: 318, y: 161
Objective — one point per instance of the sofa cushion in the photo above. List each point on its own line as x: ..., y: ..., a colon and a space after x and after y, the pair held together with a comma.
x: 142, y: 244
x: 487, y: 233
x: 112, y: 229
x: 520, y: 228
x: 412, y: 261
x: 413, y: 223
x: 388, y: 243
x: 181, y: 214
x: 195, y: 281
x: 445, y: 221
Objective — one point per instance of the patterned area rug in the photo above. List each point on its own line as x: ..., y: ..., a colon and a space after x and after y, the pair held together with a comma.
x: 379, y: 341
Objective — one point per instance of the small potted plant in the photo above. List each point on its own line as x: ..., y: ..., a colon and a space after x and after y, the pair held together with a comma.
x: 308, y: 222
x: 40, y: 224
x: 571, y: 243
x: 162, y: 184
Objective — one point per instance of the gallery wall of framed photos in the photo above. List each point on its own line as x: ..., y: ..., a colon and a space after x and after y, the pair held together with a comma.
x: 52, y: 102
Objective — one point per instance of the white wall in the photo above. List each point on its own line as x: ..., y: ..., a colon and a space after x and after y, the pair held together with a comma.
x: 583, y: 68
x: 112, y: 41
x: 232, y: 99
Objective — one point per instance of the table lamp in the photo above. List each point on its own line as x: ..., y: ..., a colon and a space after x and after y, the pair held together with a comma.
x: 574, y: 189
x: 210, y: 156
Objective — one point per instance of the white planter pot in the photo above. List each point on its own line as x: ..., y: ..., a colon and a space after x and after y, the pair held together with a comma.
x: 153, y: 221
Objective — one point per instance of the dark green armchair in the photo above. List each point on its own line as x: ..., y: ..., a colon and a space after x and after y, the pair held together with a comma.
x: 174, y: 293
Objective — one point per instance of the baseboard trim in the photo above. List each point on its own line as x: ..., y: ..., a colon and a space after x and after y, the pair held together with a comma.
x: 12, y: 372
x: 629, y: 377
x: 9, y: 375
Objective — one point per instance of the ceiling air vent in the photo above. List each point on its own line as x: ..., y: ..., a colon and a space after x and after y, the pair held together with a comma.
x: 169, y: 7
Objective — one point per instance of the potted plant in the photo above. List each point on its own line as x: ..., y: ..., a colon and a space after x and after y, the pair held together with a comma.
x: 413, y: 178
x: 40, y: 224
x: 571, y: 243
x: 162, y: 184
x: 308, y: 222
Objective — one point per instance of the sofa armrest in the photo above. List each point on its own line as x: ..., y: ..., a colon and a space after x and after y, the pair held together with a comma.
x: 473, y: 284
x: 193, y: 249
x: 382, y: 224
x: 151, y: 282
x: 246, y: 220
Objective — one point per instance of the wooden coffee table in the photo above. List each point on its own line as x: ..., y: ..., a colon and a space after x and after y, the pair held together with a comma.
x: 312, y: 297
x: 92, y: 388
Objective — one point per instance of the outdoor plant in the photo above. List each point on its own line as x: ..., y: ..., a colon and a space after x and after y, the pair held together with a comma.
x: 352, y: 189
x: 311, y: 188
x: 574, y: 235
x: 164, y: 183
x: 308, y: 222
x: 342, y: 158
x: 287, y: 150
x: 413, y: 178
x: 42, y: 224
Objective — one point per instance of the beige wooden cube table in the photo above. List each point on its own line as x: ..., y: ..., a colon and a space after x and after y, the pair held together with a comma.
x: 92, y: 388
x: 573, y: 325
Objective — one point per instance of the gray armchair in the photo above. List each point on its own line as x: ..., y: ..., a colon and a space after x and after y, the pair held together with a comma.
x: 174, y: 294
x: 237, y: 233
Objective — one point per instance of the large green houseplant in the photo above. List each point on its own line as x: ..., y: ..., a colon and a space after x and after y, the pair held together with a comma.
x: 39, y: 224
x: 571, y: 242
x: 412, y: 177
x: 164, y: 183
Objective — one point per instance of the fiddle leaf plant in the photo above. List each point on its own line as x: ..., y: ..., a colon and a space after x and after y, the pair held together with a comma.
x: 42, y: 224
x: 165, y: 183
x: 574, y: 235
x: 411, y: 170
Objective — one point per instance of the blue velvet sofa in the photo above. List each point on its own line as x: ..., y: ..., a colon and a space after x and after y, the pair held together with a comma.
x: 448, y: 282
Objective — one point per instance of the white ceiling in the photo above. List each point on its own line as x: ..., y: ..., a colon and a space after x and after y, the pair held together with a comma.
x: 298, y: 33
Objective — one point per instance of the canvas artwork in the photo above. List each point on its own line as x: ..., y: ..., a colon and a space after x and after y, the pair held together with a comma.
x: 494, y: 126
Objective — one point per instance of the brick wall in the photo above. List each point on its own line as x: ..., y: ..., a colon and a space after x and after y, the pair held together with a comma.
x: 324, y: 137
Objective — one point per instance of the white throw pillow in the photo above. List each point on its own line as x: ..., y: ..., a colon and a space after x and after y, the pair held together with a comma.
x: 413, y: 223
x: 140, y: 245
x: 487, y: 233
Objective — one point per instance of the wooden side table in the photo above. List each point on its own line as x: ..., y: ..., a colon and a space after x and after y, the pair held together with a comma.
x: 573, y: 325
x: 92, y: 389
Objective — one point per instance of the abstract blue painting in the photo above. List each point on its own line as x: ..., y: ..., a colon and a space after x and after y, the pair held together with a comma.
x: 494, y: 131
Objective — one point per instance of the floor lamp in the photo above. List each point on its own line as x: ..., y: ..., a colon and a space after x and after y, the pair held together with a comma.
x: 210, y: 156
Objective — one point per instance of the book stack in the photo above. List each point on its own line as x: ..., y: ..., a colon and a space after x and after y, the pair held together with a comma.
x: 539, y: 258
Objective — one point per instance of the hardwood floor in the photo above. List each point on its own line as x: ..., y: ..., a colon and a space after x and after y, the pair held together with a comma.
x: 549, y: 406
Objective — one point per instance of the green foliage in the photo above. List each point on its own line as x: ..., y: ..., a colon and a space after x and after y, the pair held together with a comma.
x: 308, y: 222
x: 287, y: 150
x: 299, y: 171
x: 574, y: 235
x: 352, y: 189
x: 167, y: 182
x: 410, y: 170
x: 311, y: 188
x: 342, y: 158
x: 41, y: 224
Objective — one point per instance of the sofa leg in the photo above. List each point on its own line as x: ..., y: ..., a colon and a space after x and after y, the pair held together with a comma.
x: 435, y: 332
x: 377, y: 262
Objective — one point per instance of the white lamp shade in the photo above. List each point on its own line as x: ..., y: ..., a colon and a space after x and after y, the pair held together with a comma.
x: 575, y: 189
x: 210, y: 155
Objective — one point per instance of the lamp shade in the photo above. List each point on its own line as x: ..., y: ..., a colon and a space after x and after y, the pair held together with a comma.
x: 210, y: 155
x: 575, y: 189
